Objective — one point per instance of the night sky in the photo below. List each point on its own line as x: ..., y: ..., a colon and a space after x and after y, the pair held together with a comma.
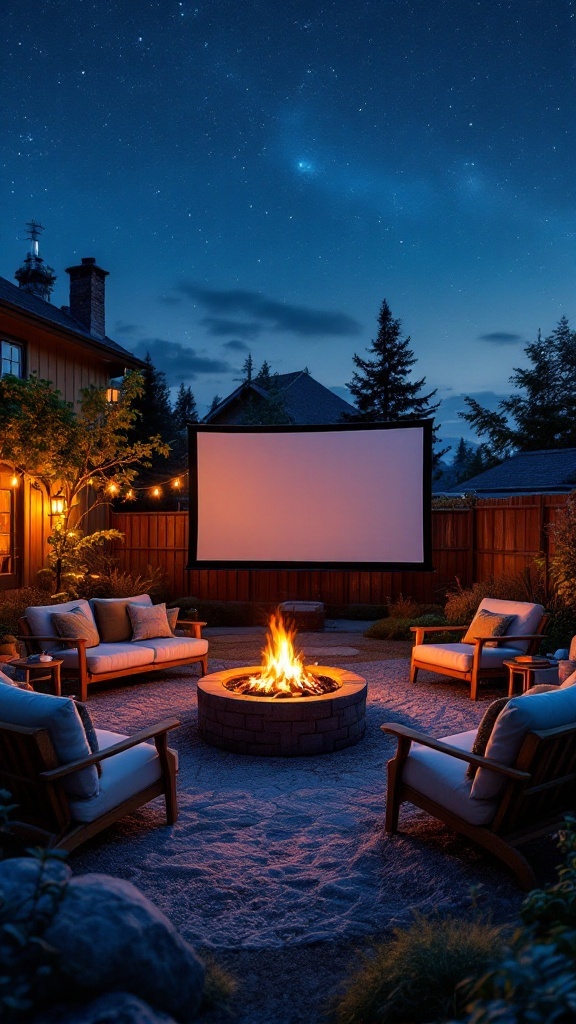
x: 257, y: 176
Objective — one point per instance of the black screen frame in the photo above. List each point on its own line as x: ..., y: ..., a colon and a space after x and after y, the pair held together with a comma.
x: 426, y: 426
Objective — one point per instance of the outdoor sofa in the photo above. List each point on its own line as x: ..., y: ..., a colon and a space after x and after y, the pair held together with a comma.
x: 111, y: 638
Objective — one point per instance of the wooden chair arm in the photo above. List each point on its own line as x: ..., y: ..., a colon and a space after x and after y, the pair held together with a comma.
x: 405, y: 733
x: 448, y: 628
x: 191, y: 624
x: 116, y: 748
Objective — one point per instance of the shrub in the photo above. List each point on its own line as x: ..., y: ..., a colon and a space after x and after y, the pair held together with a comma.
x: 535, y: 981
x: 415, y: 976
x: 399, y: 629
x: 563, y: 561
x: 528, y: 585
x: 404, y: 608
x: 14, y: 603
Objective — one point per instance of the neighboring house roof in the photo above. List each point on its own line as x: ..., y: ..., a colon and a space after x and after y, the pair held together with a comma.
x: 38, y: 308
x: 552, y: 471
x: 305, y: 399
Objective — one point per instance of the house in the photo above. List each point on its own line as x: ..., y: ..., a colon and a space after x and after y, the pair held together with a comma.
x: 303, y: 398
x: 69, y: 347
x: 552, y: 471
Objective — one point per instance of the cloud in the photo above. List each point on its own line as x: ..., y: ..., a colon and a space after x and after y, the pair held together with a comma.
x: 121, y: 328
x: 236, y: 346
x: 501, y: 338
x: 270, y: 314
x: 218, y: 327
x: 178, y: 362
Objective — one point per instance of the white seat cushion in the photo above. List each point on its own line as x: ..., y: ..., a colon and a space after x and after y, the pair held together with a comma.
x: 460, y: 656
x: 109, y: 657
x: 527, y: 713
x: 443, y: 779
x: 40, y: 619
x: 123, y: 775
x: 173, y: 648
x: 59, y: 716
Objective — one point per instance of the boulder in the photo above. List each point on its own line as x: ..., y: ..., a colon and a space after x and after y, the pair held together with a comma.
x: 114, y: 1008
x: 110, y: 938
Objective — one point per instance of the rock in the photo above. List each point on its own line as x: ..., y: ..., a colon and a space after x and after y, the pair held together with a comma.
x: 111, y: 939
x: 114, y: 1008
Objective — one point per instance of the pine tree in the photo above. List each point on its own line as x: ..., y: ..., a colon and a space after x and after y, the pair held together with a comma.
x: 185, y: 410
x: 382, y: 387
x: 215, y: 403
x: 542, y: 414
x: 154, y: 407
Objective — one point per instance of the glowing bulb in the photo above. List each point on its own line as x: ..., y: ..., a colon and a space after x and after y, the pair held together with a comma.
x: 113, y: 488
x: 130, y: 495
x: 177, y: 483
x: 156, y: 492
x: 14, y: 481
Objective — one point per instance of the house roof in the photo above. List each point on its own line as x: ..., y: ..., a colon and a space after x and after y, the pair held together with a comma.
x: 306, y: 400
x: 551, y: 471
x: 38, y: 308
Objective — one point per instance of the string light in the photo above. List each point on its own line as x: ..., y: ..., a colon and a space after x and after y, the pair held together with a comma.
x: 113, y: 488
x: 156, y: 492
x: 177, y: 483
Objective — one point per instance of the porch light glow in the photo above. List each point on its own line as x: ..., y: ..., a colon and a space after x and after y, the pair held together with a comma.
x: 57, y: 505
x: 112, y: 395
x: 14, y: 481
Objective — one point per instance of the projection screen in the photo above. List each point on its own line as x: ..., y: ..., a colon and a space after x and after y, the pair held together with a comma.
x: 353, y: 496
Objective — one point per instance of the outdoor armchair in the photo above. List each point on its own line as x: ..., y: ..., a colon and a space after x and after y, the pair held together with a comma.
x: 48, y: 760
x: 525, y: 784
x: 481, y: 654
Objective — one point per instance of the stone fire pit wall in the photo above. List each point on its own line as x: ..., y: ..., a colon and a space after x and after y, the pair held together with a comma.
x: 282, y: 728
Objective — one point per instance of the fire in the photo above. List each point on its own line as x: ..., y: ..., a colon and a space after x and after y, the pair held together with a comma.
x: 283, y: 673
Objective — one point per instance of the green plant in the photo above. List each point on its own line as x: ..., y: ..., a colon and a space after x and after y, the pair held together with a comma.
x: 535, y: 982
x: 13, y: 604
x: 527, y: 585
x: 415, y: 977
x: 404, y: 608
x: 563, y: 561
x: 399, y: 629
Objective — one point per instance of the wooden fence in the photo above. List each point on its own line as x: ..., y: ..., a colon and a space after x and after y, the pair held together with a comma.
x: 494, y: 537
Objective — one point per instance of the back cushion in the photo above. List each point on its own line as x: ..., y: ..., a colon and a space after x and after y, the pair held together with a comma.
x: 528, y: 713
x: 40, y: 619
x: 114, y: 625
x: 58, y: 715
x: 526, y: 616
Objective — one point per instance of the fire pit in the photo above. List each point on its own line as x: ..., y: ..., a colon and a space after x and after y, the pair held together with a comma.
x: 282, y: 708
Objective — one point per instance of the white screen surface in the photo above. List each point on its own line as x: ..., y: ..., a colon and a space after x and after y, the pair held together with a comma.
x: 319, y: 497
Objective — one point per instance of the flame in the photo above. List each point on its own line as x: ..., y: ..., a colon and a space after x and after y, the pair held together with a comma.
x: 283, y: 673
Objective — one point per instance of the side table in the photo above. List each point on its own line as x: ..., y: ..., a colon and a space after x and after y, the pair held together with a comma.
x: 41, y: 672
x: 522, y: 675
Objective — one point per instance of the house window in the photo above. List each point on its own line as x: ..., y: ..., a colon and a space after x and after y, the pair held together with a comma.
x: 6, y: 530
x: 12, y: 361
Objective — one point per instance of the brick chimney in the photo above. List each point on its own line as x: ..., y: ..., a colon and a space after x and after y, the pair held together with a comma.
x: 87, y: 296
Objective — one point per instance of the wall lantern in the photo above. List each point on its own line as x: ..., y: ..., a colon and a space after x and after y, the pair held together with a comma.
x: 14, y: 481
x: 57, y: 505
x: 112, y: 395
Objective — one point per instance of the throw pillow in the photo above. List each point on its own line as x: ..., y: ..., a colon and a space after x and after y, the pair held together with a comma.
x: 111, y: 616
x: 487, y: 623
x: 75, y: 624
x: 172, y: 616
x: 485, y: 731
x: 86, y: 719
x: 148, y: 623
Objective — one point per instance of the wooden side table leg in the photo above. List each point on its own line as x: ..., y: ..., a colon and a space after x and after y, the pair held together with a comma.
x: 56, y: 680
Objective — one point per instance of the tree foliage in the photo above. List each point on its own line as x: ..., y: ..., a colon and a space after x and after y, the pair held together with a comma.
x: 382, y: 386
x: 87, y: 457
x: 541, y: 413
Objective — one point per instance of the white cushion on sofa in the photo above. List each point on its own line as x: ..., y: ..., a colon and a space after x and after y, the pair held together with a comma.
x: 58, y: 715
x: 173, y: 648
x: 40, y: 618
x: 109, y: 657
x: 443, y: 779
x: 460, y: 656
x: 524, y: 714
x: 123, y: 775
